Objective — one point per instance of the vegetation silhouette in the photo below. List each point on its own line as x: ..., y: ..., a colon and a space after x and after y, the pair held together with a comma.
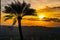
x: 17, y: 10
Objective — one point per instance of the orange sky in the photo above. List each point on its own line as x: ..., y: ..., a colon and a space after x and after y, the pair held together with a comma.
x: 26, y: 22
x: 36, y: 4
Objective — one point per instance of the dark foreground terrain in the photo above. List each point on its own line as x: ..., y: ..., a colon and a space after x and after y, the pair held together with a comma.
x: 29, y: 33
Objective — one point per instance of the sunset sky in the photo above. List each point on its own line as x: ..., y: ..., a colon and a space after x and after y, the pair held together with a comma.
x: 42, y: 13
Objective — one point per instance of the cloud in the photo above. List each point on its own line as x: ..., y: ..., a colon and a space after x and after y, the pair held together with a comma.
x: 52, y: 19
x: 44, y: 19
x: 50, y: 9
x: 31, y: 19
x: 36, y: 3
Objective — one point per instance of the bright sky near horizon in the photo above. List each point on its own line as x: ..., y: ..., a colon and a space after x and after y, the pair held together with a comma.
x: 36, y: 4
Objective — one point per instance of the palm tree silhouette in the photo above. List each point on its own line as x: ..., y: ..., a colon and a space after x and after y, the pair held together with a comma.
x: 17, y: 10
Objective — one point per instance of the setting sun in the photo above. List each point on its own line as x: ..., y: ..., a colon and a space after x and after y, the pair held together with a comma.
x: 41, y: 16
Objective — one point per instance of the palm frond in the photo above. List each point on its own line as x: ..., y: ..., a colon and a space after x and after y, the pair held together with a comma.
x: 19, y: 8
x: 30, y: 12
x: 13, y: 8
x: 8, y: 10
x: 25, y: 7
x: 24, y: 4
x: 16, y: 6
x: 7, y: 18
x: 14, y: 21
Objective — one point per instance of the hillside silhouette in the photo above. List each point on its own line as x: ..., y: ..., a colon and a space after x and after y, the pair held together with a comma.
x: 30, y: 33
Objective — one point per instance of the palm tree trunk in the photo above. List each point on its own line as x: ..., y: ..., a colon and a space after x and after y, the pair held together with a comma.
x: 20, y: 29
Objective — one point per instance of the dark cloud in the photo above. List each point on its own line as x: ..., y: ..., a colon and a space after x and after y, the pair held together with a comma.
x: 52, y: 19
x: 32, y: 19
x: 44, y: 19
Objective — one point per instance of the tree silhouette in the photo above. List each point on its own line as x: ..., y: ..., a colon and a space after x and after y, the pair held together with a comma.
x: 17, y: 10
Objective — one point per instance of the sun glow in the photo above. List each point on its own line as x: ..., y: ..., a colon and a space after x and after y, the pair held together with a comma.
x: 41, y: 16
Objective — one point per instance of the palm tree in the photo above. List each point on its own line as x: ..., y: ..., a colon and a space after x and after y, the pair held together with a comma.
x: 17, y: 10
